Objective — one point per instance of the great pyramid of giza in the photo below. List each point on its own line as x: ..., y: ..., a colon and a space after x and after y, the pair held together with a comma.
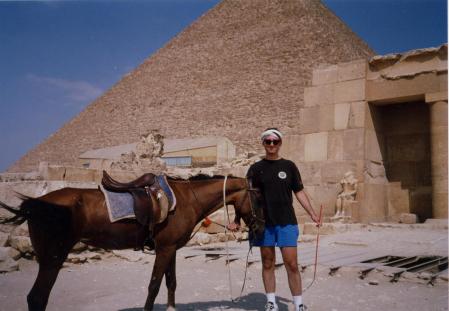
x: 238, y: 69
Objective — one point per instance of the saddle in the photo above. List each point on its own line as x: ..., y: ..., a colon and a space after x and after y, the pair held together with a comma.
x: 150, y: 201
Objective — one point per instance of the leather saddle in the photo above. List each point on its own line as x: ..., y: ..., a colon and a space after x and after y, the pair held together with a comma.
x: 148, y: 197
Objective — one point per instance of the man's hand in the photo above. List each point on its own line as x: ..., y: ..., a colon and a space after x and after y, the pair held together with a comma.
x: 316, y: 220
x: 233, y: 226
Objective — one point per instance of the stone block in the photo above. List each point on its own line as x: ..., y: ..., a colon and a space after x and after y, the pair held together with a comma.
x: 374, y: 173
x: 438, y: 113
x: 54, y: 173
x: 326, y: 118
x: 382, y: 90
x: 373, y: 203
x: 398, y: 201
x: 318, y: 95
x: 357, y: 114
x: 309, y: 120
x: 435, y: 97
x: 4, y: 239
x: 440, y: 204
x: 408, y: 218
x: 341, y: 116
x: 293, y: 147
x: 373, y: 146
x: 310, y: 173
x: 79, y: 174
x: 353, y: 144
x: 326, y: 75
x: 335, y: 146
x: 352, y: 70
x: 333, y: 171
x: 21, y: 243
x: 315, y: 148
x: 349, y: 91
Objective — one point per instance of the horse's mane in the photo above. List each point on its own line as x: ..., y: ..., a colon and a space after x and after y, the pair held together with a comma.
x: 200, y: 177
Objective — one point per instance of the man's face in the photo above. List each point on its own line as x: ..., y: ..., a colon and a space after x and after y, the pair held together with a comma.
x: 272, y: 144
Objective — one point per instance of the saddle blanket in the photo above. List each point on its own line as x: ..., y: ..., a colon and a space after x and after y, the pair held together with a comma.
x: 120, y: 205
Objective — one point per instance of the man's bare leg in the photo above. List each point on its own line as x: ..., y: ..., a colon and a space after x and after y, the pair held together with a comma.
x: 268, y: 255
x: 290, y: 257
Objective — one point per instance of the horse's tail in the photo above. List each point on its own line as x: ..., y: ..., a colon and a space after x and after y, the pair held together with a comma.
x: 35, y: 209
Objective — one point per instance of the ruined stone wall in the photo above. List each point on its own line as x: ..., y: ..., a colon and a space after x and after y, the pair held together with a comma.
x: 240, y: 68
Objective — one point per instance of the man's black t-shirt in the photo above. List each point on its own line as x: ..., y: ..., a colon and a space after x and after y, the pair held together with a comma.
x: 277, y: 179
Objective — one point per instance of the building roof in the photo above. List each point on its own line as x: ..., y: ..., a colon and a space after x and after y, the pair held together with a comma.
x: 170, y: 145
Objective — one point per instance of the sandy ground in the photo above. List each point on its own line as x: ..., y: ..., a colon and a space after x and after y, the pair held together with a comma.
x: 116, y: 284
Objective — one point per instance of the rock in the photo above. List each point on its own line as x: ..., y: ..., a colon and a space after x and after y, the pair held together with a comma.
x: 129, y: 255
x: 7, y: 264
x: 14, y: 253
x: 4, y: 239
x: 79, y: 247
x: 408, y: 218
x: 83, y: 257
x: 21, y: 243
x: 21, y: 230
x: 373, y: 282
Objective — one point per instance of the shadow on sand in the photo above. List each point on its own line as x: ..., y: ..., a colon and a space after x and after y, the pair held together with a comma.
x: 253, y: 301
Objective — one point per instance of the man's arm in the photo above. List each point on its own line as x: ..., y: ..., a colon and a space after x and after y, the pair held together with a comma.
x: 303, y: 199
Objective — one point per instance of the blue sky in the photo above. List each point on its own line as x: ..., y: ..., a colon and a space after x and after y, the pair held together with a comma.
x: 57, y: 56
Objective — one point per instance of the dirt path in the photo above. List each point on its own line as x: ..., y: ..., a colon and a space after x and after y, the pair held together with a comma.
x: 116, y: 284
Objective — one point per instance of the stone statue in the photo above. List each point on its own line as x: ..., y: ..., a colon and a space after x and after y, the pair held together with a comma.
x: 347, y: 195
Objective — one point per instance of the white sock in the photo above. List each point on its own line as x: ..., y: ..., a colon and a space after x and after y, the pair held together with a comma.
x: 271, y: 297
x: 297, y: 300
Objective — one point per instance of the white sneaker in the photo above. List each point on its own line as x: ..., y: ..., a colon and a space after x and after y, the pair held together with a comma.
x: 271, y: 306
x: 302, y: 308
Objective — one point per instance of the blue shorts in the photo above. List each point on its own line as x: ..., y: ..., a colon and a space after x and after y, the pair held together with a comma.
x: 280, y: 236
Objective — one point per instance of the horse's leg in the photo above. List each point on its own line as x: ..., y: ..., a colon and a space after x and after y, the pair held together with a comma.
x: 170, y: 281
x: 163, y: 259
x: 38, y: 297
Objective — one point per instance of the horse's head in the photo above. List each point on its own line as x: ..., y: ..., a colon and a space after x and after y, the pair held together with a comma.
x: 249, y: 207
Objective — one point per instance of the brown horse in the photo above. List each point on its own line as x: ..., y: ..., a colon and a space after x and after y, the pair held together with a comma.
x: 59, y: 219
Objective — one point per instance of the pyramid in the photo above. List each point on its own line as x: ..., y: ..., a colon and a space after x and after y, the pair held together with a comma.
x: 238, y: 69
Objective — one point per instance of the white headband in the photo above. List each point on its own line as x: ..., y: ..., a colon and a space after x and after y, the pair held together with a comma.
x: 270, y: 132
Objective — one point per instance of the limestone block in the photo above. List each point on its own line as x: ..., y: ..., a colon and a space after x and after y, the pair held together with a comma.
x: 357, y: 114
x: 374, y: 172
x: 402, y: 89
x: 435, y: 97
x: 341, y: 116
x: 21, y: 243
x: 408, y: 218
x: 440, y: 204
x: 349, y: 91
x: 310, y: 173
x: 438, y: 113
x: 79, y: 174
x: 442, y: 77
x: 352, y: 70
x: 54, y: 173
x: 309, y: 120
x: 353, y: 144
x: 3, y: 239
x: 372, y: 207
x: 293, y: 147
x: 398, y: 201
x: 335, y: 146
x: 334, y: 171
x: 325, y: 195
x: 326, y: 75
x: 326, y: 118
x: 319, y: 95
x: 21, y: 230
x: 373, y: 146
x: 315, y: 148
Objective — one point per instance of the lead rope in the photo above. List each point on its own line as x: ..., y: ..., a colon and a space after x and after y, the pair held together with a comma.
x: 316, y: 250
x: 226, y: 216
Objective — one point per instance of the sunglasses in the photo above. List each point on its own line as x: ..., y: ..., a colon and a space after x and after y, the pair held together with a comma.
x: 271, y: 142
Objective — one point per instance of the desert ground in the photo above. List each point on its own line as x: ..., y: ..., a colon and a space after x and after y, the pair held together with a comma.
x: 114, y: 283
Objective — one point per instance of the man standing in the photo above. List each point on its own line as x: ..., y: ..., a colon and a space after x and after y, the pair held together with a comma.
x: 278, y: 178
